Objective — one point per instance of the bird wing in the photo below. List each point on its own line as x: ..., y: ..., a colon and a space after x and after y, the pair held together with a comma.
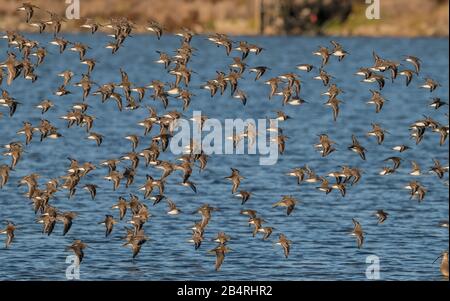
x: 220, y: 256
x: 286, y: 248
x: 290, y: 208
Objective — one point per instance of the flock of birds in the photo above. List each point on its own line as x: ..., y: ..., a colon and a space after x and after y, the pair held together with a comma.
x: 31, y: 55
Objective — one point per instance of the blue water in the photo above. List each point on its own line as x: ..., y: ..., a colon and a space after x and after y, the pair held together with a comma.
x: 406, y: 244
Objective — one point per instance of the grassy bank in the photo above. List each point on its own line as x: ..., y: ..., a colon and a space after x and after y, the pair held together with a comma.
x: 398, y: 17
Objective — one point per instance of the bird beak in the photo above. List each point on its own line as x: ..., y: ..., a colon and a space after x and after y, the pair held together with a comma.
x: 437, y: 258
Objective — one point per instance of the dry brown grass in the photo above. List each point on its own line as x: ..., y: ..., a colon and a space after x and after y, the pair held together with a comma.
x: 200, y: 15
x: 399, y: 17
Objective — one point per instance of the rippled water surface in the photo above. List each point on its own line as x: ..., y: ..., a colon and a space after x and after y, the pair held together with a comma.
x: 406, y: 244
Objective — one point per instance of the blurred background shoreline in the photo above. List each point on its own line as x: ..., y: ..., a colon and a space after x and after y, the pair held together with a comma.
x: 399, y: 18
